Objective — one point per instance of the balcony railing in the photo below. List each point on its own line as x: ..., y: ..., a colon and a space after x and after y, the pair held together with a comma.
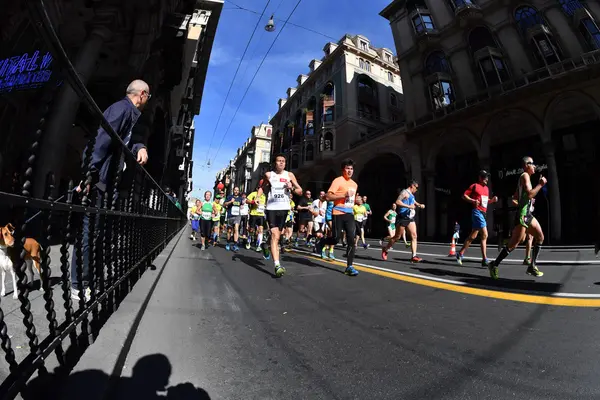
x: 113, y: 235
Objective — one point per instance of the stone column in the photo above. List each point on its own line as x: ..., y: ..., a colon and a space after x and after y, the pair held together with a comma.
x: 430, y: 207
x: 64, y: 111
x: 553, y: 193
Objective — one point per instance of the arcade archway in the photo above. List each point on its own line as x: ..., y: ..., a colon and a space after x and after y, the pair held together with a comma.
x: 379, y: 180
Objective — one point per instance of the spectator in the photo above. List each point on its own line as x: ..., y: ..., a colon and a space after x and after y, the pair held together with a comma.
x: 122, y: 116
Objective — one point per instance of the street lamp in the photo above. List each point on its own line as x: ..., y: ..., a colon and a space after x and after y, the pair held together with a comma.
x: 270, y: 27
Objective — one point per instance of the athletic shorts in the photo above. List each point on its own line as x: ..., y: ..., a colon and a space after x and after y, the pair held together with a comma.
x: 328, y: 217
x: 478, y: 219
x: 305, y: 219
x: 359, y: 225
x: 404, y: 222
x: 256, y: 220
x: 233, y: 220
x: 195, y: 225
x: 206, y: 227
x: 318, y: 226
x: 276, y: 218
x: 524, y: 219
x: 289, y: 224
x: 216, y: 224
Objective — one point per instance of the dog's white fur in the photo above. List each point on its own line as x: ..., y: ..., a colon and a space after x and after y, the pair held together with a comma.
x: 6, y: 264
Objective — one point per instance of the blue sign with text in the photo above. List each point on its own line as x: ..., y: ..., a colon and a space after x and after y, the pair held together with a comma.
x: 25, y: 71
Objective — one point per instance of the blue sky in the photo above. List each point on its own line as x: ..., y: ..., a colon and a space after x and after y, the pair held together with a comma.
x: 289, y: 58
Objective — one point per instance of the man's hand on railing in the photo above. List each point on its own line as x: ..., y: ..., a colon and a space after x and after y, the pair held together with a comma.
x: 80, y: 188
x: 142, y: 156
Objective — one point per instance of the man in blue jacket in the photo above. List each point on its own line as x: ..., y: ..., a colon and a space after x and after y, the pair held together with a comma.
x: 122, y: 116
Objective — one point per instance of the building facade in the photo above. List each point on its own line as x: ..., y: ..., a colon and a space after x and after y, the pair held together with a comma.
x: 486, y: 83
x: 110, y: 45
x: 352, y: 92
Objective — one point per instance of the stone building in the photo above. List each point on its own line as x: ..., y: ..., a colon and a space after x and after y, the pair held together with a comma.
x: 352, y: 92
x: 166, y: 43
x: 252, y: 159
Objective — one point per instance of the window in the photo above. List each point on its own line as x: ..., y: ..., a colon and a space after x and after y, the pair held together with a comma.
x: 390, y: 77
x: 364, y: 46
x: 367, y: 111
x: 488, y: 57
x: 264, y: 157
x: 393, y: 100
x: 458, y: 4
x: 423, y: 22
x: 439, y: 80
x: 328, y: 114
x: 543, y: 45
x: 310, y: 152
x: 388, y: 58
x: 364, y: 65
x: 361, y: 63
x: 328, y: 142
x: 586, y: 26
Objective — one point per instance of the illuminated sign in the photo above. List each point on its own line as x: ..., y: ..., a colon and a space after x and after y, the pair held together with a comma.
x: 24, y: 72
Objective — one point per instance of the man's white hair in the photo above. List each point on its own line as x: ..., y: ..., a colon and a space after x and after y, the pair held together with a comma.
x: 526, y: 160
x: 137, y: 86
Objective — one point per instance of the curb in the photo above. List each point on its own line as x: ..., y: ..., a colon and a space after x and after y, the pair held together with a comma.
x: 106, y: 356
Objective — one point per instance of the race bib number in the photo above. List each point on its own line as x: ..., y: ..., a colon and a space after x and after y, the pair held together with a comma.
x: 206, y: 215
x: 261, y: 208
x: 484, y: 201
x: 360, y: 218
x: 393, y: 220
x: 279, y: 194
x: 349, y: 203
x: 235, y: 210
x: 412, y: 213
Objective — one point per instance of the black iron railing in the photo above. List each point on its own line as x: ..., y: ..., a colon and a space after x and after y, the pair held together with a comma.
x: 125, y: 228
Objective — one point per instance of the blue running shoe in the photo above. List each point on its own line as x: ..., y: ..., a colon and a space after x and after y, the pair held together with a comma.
x: 266, y: 252
x: 331, y: 255
x: 227, y: 247
x: 324, y: 254
x: 350, y: 271
x: 236, y: 248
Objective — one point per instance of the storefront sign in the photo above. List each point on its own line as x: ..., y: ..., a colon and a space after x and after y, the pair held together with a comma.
x: 445, y: 191
x: 24, y: 72
x: 518, y: 171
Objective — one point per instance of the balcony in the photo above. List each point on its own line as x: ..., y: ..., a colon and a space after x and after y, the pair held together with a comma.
x: 513, y: 90
x: 466, y: 11
x: 248, y: 164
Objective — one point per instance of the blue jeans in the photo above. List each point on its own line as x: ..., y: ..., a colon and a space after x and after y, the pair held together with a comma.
x: 85, y: 246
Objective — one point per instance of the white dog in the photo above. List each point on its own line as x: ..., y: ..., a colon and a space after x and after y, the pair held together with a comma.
x: 32, y: 248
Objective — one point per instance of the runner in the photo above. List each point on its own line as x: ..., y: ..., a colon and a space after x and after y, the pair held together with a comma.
x: 244, y: 210
x: 319, y: 209
x: 406, y: 221
x: 289, y: 222
x: 206, y: 212
x: 279, y: 184
x: 195, y: 217
x: 233, y: 204
x: 216, y: 218
x: 305, y: 217
x: 390, y: 219
x: 478, y: 194
x: 342, y: 192
x: 257, y: 202
x: 525, y: 222
x: 367, y: 223
x: 360, y: 217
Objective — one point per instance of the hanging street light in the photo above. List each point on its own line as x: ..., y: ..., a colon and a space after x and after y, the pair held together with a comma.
x: 270, y: 27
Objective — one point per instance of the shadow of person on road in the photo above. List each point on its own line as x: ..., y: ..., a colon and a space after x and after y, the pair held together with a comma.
x: 309, y: 263
x: 149, y: 380
x: 254, y: 263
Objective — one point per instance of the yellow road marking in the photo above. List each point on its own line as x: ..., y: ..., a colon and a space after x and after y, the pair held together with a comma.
x: 495, y: 294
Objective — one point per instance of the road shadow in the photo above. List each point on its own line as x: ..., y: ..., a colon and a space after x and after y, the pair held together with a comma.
x: 149, y: 380
x: 309, y: 263
x: 254, y: 263
x: 596, y: 283
x: 517, y: 285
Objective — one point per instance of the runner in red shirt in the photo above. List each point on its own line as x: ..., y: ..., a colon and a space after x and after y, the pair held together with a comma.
x: 478, y: 194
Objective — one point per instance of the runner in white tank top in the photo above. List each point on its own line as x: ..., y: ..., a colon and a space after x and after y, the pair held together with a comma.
x: 279, y: 184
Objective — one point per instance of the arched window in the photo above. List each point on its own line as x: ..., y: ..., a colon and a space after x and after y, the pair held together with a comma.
x: 328, y: 142
x: 328, y: 99
x: 586, y: 25
x: 368, y: 102
x: 535, y: 30
x: 310, y: 152
x: 439, y: 80
x: 295, y: 161
x: 488, y: 57
x: 390, y: 77
x: 458, y: 4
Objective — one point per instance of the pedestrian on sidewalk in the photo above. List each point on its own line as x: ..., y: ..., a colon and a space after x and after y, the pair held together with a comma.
x: 122, y: 117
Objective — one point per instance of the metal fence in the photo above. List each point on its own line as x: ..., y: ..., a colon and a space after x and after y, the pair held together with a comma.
x: 117, y: 233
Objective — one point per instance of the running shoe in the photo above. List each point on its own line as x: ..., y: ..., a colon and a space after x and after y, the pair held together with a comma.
x: 416, y: 259
x: 258, y: 249
x: 485, y: 262
x: 227, y: 247
x: 366, y: 246
x: 527, y: 261
x: 384, y: 254
x: 248, y: 246
x: 236, y: 248
x: 279, y: 271
x: 203, y: 247
x: 407, y: 244
x: 324, y: 253
x: 493, y: 268
x: 597, y: 249
x: 459, y: 258
x: 331, y: 255
x: 351, y: 271
x: 266, y: 253
x: 534, y: 271
x: 381, y: 242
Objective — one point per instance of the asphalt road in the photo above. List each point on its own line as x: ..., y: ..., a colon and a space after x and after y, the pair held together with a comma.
x: 223, y: 323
